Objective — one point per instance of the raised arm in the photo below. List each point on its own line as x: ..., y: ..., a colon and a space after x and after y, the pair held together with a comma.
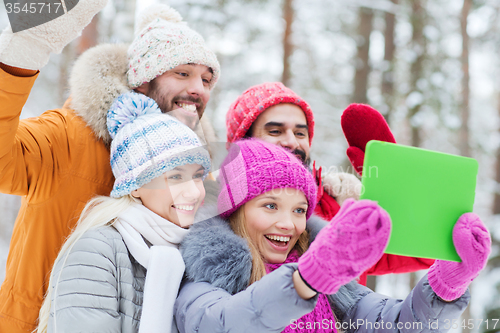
x: 27, y: 148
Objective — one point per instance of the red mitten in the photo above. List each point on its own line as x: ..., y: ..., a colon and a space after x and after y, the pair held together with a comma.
x: 362, y: 123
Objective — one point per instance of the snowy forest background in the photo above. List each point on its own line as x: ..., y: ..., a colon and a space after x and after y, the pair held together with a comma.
x: 432, y: 67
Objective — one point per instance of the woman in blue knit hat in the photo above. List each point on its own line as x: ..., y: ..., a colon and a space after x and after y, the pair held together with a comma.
x: 120, y: 269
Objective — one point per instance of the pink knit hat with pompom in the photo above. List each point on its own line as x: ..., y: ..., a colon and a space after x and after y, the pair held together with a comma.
x: 255, y: 100
x: 253, y: 167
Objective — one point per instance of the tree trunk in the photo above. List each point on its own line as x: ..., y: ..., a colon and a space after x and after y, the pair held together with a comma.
x: 413, y: 280
x: 67, y: 57
x: 288, y: 15
x: 464, y: 129
x: 388, y: 74
x: 496, y: 200
x: 419, y: 47
x: 362, y: 65
x: 371, y: 282
x: 89, y: 36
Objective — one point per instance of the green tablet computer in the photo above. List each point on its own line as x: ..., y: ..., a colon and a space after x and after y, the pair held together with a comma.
x: 424, y: 191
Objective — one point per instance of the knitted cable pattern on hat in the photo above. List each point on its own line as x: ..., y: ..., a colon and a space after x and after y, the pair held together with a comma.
x: 255, y: 100
x: 253, y: 167
x: 163, y: 42
x: 147, y: 143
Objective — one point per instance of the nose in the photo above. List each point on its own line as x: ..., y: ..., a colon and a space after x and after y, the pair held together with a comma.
x: 285, y: 222
x: 191, y: 191
x: 289, y: 140
x: 196, y: 87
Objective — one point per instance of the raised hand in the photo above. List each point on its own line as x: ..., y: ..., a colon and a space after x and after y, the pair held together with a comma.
x: 449, y: 279
x: 352, y: 242
x: 360, y: 124
x: 31, y: 48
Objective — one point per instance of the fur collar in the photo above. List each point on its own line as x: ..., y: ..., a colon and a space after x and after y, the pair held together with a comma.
x: 97, y: 78
x: 213, y: 253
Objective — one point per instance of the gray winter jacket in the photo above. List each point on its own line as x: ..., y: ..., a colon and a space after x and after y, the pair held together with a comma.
x: 215, y: 296
x: 100, y: 288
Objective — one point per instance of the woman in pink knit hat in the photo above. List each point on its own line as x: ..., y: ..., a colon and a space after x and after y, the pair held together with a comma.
x: 276, y: 114
x: 253, y: 268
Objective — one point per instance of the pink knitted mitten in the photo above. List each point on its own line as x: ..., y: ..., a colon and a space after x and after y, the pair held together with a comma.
x: 354, y: 241
x: 449, y: 279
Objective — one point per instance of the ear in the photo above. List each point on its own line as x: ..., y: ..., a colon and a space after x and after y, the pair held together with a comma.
x: 143, y: 88
x: 136, y: 194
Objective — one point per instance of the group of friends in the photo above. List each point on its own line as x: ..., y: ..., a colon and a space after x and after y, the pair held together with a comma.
x: 116, y: 232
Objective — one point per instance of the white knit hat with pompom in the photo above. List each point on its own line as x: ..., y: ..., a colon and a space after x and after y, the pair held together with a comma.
x: 163, y: 41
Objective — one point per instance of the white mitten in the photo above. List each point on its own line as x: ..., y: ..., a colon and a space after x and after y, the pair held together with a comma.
x: 31, y: 48
x: 342, y: 186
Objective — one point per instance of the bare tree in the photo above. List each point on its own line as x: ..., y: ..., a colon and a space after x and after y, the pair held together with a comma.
x: 464, y: 129
x: 365, y: 28
x: 496, y: 195
x: 89, y: 38
x: 388, y: 74
x: 288, y: 16
x: 418, y: 18
x: 418, y: 44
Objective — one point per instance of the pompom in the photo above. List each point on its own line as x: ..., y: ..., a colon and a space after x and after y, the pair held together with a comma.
x: 126, y: 108
x: 154, y: 12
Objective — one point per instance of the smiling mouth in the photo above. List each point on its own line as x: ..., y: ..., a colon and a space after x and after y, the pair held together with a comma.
x: 191, y: 108
x: 186, y: 208
x: 280, y: 241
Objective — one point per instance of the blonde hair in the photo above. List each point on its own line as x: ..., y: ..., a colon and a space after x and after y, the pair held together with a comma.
x: 238, y: 224
x: 98, y: 212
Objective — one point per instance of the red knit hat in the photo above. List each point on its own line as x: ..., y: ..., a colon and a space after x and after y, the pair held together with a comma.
x: 248, y: 106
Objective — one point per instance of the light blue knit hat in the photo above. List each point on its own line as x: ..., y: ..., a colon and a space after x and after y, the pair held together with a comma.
x: 147, y: 143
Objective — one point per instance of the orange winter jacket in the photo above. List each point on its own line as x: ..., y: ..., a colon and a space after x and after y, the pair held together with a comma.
x: 56, y: 163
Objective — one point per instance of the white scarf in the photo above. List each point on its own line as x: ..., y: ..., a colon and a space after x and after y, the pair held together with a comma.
x: 162, y: 261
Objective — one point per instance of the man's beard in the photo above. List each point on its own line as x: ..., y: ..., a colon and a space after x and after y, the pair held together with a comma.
x: 301, y: 155
x: 168, y: 107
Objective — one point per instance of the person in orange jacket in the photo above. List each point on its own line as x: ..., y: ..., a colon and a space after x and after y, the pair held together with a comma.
x: 276, y: 114
x: 60, y: 160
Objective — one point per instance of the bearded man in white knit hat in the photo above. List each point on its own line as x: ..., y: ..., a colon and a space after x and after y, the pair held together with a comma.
x: 59, y: 160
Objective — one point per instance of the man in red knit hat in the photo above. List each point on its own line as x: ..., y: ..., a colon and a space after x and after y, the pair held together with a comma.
x: 276, y: 114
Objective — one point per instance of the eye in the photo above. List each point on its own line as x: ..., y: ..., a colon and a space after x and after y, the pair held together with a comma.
x: 198, y: 175
x: 301, y: 134
x: 175, y: 177
x: 274, y: 132
x: 271, y: 206
x: 300, y: 211
x: 182, y: 73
